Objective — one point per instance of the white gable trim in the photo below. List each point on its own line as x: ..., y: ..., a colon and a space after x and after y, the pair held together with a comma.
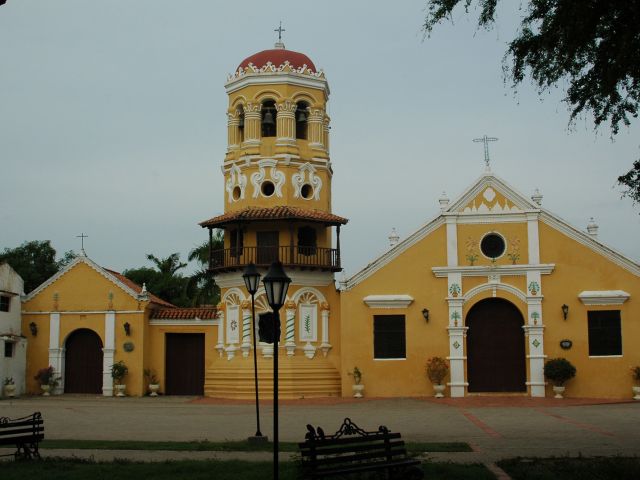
x: 588, y: 241
x: 394, y: 252
x: 388, y: 301
x: 90, y: 263
x: 603, y: 297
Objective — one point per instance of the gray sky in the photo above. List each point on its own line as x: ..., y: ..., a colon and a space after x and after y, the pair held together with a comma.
x: 112, y: 122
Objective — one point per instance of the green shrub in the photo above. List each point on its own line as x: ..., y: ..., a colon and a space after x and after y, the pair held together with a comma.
x: 559, y: 371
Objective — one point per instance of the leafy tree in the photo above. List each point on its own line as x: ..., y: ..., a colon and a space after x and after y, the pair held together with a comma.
x: 35, y: 261
x: 592, y: 46
x: 164, y: 281
x: 202, y: 287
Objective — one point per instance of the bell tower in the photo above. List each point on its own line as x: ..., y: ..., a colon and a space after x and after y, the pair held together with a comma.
x: 277, y: 204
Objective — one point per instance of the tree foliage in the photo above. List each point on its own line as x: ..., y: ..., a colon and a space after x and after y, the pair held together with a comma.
x: 202, y: 287
x: 592, y: 46
x: 35, y: 262
x: 163, y: 281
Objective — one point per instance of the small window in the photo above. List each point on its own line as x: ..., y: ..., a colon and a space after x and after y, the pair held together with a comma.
x: 267, y: 188
x: 389, y: 336
x: 269, y: 115
x: 8, y: 349
x: 605, y: 336
x: 241, y: 124
x: 237, y: 242
x: 306, y: 191
x: 307, y: 241
x: 302, y: 115
x: 4, y: 303
x: 492, y: 245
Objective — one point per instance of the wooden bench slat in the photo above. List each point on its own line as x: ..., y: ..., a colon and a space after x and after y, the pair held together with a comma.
x: 359, y: 457
x: 356, y: 448
x: 349, y: 440
x: 24, y: 433
x: 364, y: 468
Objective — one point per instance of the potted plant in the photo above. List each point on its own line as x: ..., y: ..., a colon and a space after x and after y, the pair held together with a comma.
x: 118, y: 371
x: 357, y: 378
x: 154, y: 383
x: 47, y: 379
x: 9, y: 387
x: 559, y: 371
x: 635, y: 371
x: 437, y: 369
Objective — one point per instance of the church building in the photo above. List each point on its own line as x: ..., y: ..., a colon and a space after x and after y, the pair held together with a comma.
x: 496, y: 284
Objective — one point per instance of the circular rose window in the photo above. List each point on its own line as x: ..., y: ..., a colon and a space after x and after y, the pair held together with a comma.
x: 492, y: 245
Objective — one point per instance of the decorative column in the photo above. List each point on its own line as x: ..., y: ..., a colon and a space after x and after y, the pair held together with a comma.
x: 290, y: 332
x: 326, y: 128
x: 286, y: 123
x: 233, y: 135
x: 534, y: 333
x: 108, y: 352
x: 56, y: 352
x: 315, y: 128
x: 220, y: 344
x: 325, y: 346
x: 457, y: 333
x: 246, y: 328
x: 533, y: 239
x: 252, y: 120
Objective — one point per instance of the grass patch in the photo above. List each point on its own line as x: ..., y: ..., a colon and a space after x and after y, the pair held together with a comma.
x: 227, y: 446
x: 77, y: 469
x: 565, y: 468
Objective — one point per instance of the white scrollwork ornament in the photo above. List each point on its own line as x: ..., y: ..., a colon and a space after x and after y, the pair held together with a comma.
x: 236, y: 179
x: 300, y: 178
x: 276, y: 176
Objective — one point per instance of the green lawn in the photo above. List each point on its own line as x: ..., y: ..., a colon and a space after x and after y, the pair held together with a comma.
x: 565, y: 468
x: 75, y: 469
x: 240, y: 446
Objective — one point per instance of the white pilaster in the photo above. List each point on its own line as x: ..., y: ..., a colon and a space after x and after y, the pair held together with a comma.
x: 534, y: 334
x: 290, y: 333
x: 457, y: 358
x: 452, y: 241
x: 533, y: 238
x: 246, y: 332
x: 220, y: 344
x: 108, y: 351
x: 325, y: 346
x: 56, y: 351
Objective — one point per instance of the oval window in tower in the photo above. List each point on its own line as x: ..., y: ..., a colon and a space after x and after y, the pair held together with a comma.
x: 493, y: 245
x: 267, y: 188
x: 306, y: 191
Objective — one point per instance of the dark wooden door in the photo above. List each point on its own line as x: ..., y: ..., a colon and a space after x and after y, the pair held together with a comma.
x: 268, y: 244
x: 495, y: 347
x: 184, y: 364
x: 83, y: 362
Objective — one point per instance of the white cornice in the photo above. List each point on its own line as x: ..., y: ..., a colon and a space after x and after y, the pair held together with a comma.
x: 603, y: 297
x: 286, y: 78
x: 388, y: 301
x: 81, y: 312
x: 590, y: 242
x: 484, y: 218
x: 486, y: 270
x: 170, y: 322
x: 391, y: 254
x: 298, y: 278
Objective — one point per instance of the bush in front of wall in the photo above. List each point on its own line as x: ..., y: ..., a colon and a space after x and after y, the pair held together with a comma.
x: 559, y: 371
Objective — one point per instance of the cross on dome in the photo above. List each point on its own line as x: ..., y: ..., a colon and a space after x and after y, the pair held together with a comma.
x: 279, y: 43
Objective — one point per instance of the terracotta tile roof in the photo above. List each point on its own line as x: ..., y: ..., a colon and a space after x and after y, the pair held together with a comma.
x: 203, y: 313
x: 277, y: 57
x: 137, y: 288
x: 280, y: 212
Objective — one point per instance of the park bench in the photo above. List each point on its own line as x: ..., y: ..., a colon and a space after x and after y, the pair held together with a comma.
x: 24, y: 433
x: 352, y: 450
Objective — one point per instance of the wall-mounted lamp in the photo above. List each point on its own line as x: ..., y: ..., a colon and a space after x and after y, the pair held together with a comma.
x: 565, y: 310
x: 34, y: 329
x: 127, y: 328
x: 425, y: 314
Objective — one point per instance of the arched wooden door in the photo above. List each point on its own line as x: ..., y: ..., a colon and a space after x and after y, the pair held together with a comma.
x: 495, y: 347
x: 83, y: 362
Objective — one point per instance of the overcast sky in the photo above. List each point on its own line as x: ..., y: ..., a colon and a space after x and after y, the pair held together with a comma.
x: 112, y: 122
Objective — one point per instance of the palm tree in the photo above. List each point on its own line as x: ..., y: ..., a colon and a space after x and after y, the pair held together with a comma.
x: 167, y: 266
x: 202, y: 286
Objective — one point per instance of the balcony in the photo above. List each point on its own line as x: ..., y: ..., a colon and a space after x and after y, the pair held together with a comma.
x: 311, y: 258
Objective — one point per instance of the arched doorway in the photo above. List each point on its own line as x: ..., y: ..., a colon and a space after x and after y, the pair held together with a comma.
x: 495, y: 347
x: 83, y: 362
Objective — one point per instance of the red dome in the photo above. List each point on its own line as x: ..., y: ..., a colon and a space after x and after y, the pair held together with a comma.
x: 277, y: 57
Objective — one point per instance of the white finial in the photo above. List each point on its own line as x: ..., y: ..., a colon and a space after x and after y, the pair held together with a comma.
x: 144, y: 288
x: 537, y: 197
x: 443, y: 201
x: 144, y: 294
x: 394, y: 238
x: 592, y: 228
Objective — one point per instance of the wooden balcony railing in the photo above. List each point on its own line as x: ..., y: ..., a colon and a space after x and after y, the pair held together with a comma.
x: 291, y: 255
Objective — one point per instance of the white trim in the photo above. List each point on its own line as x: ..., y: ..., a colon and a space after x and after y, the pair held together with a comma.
x: 603, y: 297
x: 281, y: 78
x: 170, y: 322
x: 299, y: 278
x: 498, y: 234
x: 318, y: 294
x: 388, y: 301
x: 606, y: 356
x: 486, y: 270
x: 490, y: 218
x: 81, y: 312
x: 394, y: 252
x: 495, y: 286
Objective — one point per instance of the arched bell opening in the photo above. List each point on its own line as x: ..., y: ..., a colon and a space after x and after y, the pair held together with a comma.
x: 302, y: 117
x: 269, y: 117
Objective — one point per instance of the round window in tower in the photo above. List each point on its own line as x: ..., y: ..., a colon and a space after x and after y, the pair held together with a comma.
x: 236, y: 193
x: 306, y: 191
x: 493, y: 245
x: 267, y: 188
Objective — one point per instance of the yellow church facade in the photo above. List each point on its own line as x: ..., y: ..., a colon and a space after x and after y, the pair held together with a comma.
x: 496, y: 284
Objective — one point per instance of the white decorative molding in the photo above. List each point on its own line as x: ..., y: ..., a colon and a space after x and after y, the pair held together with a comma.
x: 196, y: 322
x: 301, y: 278
x: 388, y: 301
x: 494, y: 287
x: 300, y: 178
x: 486, y: 270
x: 603, y: 297
x: 276, y: 176
x: 236, y: 179
x: 308, y: 322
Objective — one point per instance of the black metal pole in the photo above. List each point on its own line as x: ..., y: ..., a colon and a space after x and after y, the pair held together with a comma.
x: 276, y: 327
x: 255, y: 363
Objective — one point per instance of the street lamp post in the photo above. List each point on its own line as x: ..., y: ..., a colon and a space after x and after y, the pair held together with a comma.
x: 251, y: 278
x: 276, y: 283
